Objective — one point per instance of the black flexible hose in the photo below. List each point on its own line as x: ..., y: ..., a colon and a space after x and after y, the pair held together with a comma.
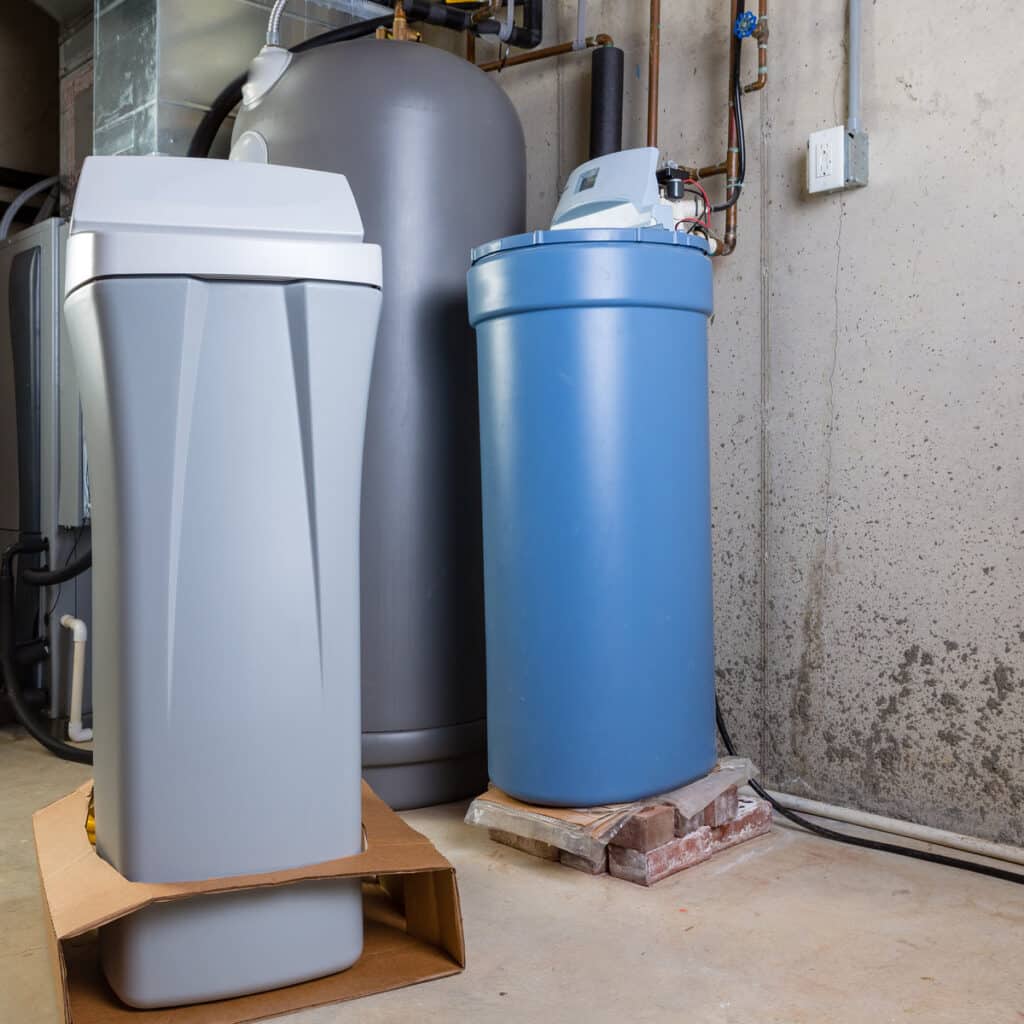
x: 736, y: 187
x: 9, y: 668
x: 231, y: 95
x: 866, y: 844
x: 47, y: 577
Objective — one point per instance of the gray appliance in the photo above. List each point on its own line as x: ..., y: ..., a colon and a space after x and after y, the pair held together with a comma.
x: 223, y: 319
x: 43, y: 479
x: 434, y: 152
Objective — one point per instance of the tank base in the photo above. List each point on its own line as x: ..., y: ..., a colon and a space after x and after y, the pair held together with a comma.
x: 232, y: 944
x: 600, y: 797
x: 423, y: 767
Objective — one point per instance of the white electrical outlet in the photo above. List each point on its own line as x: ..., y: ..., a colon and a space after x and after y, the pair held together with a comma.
x: 826, y: 160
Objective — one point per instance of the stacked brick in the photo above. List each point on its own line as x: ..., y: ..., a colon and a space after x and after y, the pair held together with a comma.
x: 656, y: 841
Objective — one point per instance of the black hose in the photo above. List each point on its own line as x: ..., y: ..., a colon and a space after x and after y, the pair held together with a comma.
x: 46, y: 577
x: 736, y: 187
x: 231, y: 95
x: 9, y: 668
x: 357, y: 30
x: 866, y: 844
x: 206, y: 131
x: 606, y: 74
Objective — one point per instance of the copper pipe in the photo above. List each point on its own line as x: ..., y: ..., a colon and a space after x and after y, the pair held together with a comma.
x: 707, y: 172
x: 732, y: 156
x: 653, y: 73
x: 761, y: 35
x: 549, y: 51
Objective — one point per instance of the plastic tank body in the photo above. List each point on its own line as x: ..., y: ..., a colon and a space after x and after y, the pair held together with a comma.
x: 434, y: 152
x: 597, y: 519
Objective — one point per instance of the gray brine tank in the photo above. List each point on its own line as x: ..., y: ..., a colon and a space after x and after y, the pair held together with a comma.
x: 434, y: 152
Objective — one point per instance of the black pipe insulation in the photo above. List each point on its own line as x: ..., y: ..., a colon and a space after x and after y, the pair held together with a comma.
x: 606, y: 78
x: 443, y: 15
x: 47, y: 577
x: 9, y: 669
x: 525, y: 36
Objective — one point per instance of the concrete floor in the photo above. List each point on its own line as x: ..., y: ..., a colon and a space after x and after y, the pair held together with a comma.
x: 787, y: 929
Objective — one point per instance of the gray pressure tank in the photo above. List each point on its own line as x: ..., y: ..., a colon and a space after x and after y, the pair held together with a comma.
x: 434, y: 153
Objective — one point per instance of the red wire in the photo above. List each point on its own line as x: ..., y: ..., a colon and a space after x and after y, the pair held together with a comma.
x: 707, y: 201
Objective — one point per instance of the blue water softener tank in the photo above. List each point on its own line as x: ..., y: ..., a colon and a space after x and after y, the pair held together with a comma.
x: 592, y: 348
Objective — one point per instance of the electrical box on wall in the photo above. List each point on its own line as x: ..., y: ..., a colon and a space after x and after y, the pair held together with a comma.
x: 836, y: 160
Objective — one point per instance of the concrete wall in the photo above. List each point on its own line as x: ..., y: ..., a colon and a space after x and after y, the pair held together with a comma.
x: 896, y: 376
x: 869, y: 346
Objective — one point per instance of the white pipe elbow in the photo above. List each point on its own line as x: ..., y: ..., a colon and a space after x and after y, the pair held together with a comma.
x: 79, y: 630
x: 77, y: 733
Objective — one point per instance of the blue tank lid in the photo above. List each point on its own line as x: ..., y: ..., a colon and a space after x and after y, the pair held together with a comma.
x: 658, y: 236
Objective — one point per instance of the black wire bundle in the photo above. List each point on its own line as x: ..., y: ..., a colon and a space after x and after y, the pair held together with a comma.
x: 736, y: 187
x: 866, y: 844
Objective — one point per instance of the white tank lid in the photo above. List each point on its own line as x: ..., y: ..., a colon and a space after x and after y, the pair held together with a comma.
x: 145, y: 216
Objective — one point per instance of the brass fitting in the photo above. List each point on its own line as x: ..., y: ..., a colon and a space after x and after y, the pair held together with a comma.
x: 399, y: 30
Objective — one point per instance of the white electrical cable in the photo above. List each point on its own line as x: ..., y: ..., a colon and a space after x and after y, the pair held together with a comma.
x: 904, y: 829
x: 274, y: 24
x: 505, y: 32
x: 20, y: 200
x: 580, y: 42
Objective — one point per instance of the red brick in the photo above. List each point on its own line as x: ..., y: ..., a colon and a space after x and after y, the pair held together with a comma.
x: 534, y: 847
x: 754, y: 818
x: 723, y: 810
x: 720, y: 812
x: 646, y: 829
x: 591, y: 867
x: 684, y: 826
x: 675, y: 855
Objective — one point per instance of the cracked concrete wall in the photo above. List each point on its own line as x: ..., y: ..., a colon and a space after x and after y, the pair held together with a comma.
x: 896, y: 628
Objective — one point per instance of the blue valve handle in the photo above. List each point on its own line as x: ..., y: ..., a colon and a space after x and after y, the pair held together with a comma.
x: 745, y: 25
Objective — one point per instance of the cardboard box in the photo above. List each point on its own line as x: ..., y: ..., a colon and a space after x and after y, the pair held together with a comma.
x: 413, y: 923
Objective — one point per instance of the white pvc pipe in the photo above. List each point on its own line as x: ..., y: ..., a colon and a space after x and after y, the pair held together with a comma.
x: 580, y: 41
x: 19, y: 201
x: 853, y: 68
x: 905, y: 829
x: 79, y: 637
